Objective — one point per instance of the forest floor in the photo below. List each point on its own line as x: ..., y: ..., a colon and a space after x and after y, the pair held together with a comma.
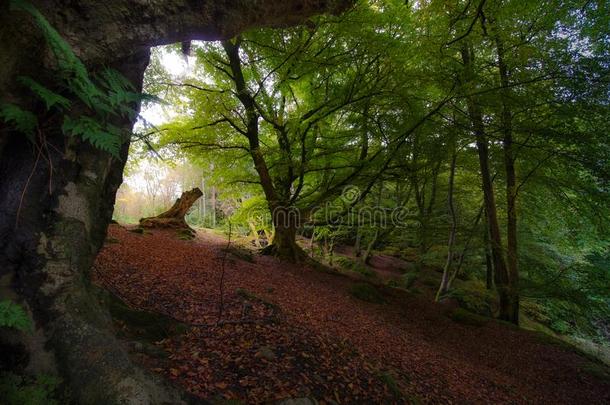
x: 297, y: 331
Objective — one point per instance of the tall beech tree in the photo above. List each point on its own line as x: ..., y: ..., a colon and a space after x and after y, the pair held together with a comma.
x: 314, y: 109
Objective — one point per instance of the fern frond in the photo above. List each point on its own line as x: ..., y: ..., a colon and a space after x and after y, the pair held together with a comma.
x: 23, y: 121
x: 114, y: 81
x: 105, y: 138
x: 49, y: 97
x: 13, y: 316
x: 107, y: 94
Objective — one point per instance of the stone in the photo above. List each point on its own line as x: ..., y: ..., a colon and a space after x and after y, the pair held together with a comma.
x: 266, y: 353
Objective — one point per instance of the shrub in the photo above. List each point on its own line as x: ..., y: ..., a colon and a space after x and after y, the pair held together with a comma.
x: 475, y: 297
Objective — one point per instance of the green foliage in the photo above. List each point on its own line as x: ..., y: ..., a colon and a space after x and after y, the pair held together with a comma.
x: 366, y: 292
x: 253, y: 213
x: 567, y: 318
x: 13, y: 316
x: 390, y: 382
x: 405, y: 281
x: 465, y: 317
x: 351, y: 101
x: 108, y: 96
x: 23, y: 121
x: 475, y: 297
x: 108, y: 138
x: 354, y: 265
x: 49, y: 97
x: 21, y: 390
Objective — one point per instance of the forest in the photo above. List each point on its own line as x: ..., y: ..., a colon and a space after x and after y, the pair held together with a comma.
x: 312, y: 202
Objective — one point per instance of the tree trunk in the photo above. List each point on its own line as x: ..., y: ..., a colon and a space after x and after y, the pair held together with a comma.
x: 284, y: 245
x: 358, y: 243
x: 366, y: 258
x: 64, y: 208
x: 286, y: 218
x: 174, y: 217
x: 511, y: 183
x: 444, y: 286
x: 489, y: 268
x: 65, y: 201
x: 500, y: 270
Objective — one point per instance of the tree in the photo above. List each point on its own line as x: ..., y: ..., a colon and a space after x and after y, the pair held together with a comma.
x: 291, y: 113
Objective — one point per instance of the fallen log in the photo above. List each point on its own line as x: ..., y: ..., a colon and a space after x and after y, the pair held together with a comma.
x: 174, y: 217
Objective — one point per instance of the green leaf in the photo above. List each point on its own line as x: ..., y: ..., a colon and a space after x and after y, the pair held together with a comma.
x: 13, y: 316
x: 49, y: 97
x: 23, y: 121
x: 106, y: 138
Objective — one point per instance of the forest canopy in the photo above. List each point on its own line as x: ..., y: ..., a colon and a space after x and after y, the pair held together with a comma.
x: 480, y: 133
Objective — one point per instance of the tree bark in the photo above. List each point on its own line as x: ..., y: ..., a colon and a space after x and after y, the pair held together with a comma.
x: 358, y: 243
x: 65, y: 200
x: 283, y: 214
x: 444, y: 286
x: 286, y: 221
x: 489, y: 268
x: 174, y: 217
x: 500, y: 269
x: 366, y: 258
x: 511, y: 182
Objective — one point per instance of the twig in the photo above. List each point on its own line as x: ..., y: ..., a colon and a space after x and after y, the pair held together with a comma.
x: 222, y: 278
x: 25, y: 188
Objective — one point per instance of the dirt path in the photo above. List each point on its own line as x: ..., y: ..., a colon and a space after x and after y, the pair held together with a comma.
x: 324, y: 343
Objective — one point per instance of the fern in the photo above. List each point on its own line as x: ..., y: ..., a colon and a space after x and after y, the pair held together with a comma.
x: 109, y: 94
x: 23, y: 121
x: 105, y: 138
x: 49, y: 97
x: 13, y: 316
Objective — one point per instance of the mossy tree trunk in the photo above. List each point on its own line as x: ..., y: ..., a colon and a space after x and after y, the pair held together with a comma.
x: 54, y: 210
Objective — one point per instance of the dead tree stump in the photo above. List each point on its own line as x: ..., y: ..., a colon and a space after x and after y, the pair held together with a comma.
x: 174, y: 217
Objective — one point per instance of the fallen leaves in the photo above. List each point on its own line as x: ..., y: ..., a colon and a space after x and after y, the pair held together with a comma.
x: 311, y: 339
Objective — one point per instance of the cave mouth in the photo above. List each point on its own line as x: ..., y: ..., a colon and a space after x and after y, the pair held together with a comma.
x: 156, y: 174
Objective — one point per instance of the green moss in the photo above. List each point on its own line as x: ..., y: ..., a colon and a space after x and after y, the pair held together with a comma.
x: 465, y: 317
x: 392, y: 251
x: 405, y: 281
x: 144, y: 325
x: 366, y: 292
x: 185, y: 234
x: 25, y: 390
x: 355, y: 266
x: 475, y: 297
x: 137, y: 230
x: 240, y: 253
x: 389, y: 380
